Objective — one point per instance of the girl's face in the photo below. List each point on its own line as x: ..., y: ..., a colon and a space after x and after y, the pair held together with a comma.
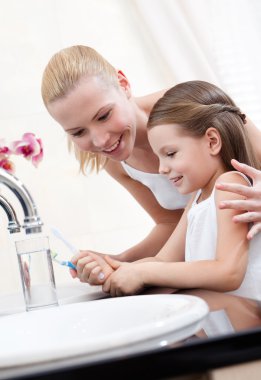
x: 189, y: 162
x: 98, y: 118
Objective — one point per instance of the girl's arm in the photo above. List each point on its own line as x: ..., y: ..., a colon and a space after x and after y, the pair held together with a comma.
x: 225, y: 273
x: 251, y: 203
x: 96, y: 269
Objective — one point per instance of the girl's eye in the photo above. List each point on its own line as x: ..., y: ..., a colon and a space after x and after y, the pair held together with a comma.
x: 170, y: 154
x: 104, y: 116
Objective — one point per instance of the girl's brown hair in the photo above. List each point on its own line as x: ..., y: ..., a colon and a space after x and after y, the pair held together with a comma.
x: 63, y: 73
x: 199, y: 105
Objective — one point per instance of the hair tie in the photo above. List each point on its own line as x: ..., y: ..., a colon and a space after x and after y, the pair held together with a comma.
x: 242, y: 117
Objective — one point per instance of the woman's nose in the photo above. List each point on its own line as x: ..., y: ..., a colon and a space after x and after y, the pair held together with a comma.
x: 100, y: 138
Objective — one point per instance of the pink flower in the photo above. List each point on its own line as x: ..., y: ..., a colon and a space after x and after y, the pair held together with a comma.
x: 29, y: 147
x: 7, y: 165
x: 3, y: 148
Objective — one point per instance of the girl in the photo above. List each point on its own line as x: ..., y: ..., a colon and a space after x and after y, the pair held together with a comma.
x: 195, y: 139
x: 106, y: 127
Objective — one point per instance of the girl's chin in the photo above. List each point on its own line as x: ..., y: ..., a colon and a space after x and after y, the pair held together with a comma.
x: 184, y: 191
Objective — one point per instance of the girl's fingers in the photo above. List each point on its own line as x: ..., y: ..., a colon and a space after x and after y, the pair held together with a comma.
x: 73, y: 273
x: 85, y: 269
x: 82, y: 262
x: 96, y: 277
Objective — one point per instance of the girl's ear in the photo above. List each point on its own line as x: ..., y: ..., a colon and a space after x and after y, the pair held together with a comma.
x: 214, y: 141
x: 124, y: 83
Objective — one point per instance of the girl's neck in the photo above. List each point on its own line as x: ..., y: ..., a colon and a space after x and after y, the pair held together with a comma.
x: 208, y: 188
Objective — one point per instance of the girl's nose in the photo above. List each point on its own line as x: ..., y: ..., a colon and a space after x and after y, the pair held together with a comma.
x: 163, y: 169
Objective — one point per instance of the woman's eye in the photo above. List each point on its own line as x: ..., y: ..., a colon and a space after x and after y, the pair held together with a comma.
x: 78, y: 133
x: 170, y: 154
x: 104, y: 116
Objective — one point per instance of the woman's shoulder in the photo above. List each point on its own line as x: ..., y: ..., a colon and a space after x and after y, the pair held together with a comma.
x: 146, y: 102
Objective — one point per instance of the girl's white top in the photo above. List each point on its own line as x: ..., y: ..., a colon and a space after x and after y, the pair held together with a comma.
x: 166, y: 194
x: 201, y: 240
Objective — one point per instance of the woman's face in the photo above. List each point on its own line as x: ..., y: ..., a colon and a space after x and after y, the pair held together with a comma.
x: 98, y: 118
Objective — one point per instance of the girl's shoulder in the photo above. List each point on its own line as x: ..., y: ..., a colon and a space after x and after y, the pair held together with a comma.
x: 230, y: 177
x: 234, y: 177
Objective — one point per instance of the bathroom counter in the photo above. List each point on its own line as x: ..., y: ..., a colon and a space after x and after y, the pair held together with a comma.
x: 231, y: 335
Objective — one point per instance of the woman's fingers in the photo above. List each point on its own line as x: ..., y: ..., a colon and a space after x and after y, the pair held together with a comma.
x: 245, y: 169
x: 243, y: 190
x: 255, y: 229
x: 248, y: 217
x: 242, y: 205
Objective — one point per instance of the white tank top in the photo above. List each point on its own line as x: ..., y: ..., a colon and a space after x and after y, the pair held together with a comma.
x: 201, y: 240
x: 166, y: 194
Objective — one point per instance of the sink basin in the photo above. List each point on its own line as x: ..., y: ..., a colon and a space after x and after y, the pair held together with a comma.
x: 99, y: 329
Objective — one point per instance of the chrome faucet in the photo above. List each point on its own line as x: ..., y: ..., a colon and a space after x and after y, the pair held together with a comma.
x: 13, y: 224
x: 32, y: 222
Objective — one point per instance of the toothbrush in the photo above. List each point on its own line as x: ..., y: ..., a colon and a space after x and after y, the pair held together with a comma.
x: 60, y: 236
x: 74, y: 250
x: 62, y: 262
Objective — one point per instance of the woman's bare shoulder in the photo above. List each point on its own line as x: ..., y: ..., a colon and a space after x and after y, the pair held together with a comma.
x: 146, y: 102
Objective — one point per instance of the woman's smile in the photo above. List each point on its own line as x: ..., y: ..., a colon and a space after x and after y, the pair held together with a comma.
x: 114, y: 147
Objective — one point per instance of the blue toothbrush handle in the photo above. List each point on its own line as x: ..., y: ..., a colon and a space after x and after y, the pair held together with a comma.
x: 70, y: 265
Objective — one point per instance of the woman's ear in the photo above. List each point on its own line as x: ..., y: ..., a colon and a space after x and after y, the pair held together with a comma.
x: 214, y: 141
x: 124, y: 83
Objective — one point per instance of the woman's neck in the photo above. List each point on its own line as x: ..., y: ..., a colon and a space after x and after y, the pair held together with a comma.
x: 142, y: 156
x: 143, y: 106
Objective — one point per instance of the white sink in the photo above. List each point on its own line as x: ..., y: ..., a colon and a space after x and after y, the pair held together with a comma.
x: 99, y: 329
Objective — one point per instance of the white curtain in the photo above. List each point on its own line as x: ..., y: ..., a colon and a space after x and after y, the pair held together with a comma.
x: 213, y: 40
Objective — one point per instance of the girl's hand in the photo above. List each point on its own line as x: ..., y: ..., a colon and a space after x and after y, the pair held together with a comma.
x: 91, y: 268
x: 252, y: 203
x: 125, y: 280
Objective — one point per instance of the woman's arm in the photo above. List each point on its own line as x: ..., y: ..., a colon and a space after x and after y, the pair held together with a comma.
x: 165, y: 220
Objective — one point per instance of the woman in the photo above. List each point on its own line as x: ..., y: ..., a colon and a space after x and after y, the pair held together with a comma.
x: 106, y: 126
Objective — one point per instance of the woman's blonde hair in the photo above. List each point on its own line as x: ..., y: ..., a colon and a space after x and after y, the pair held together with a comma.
x: 63, y: 73
x: 199, y: 105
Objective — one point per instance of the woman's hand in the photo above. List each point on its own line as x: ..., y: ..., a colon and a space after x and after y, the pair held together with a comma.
x: 91, y: 268
x: 252, y: 202
x: 125, y: 280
